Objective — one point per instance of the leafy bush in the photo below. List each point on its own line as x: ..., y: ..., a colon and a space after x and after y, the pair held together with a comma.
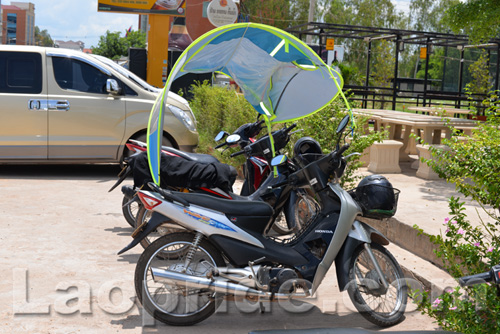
x: 217, y: 108
x: 466, y: 249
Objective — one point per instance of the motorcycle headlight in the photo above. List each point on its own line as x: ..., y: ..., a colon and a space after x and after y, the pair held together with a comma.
x: 187, y: 118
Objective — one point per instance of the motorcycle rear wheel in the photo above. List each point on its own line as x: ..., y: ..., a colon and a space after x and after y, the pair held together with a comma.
x: 171, y: 303
x: 130, y: 209
x: 296, y: 214
x: 383, y: 307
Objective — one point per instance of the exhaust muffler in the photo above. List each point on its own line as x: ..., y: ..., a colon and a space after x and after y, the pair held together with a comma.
x: 224, y: 287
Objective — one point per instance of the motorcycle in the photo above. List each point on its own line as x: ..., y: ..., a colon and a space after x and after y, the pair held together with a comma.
x: 301, y: 205
x: 290, y: 202
x: 131, y: 206
x: 224, y: 251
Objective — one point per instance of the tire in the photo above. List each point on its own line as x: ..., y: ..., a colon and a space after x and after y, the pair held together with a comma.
x: 296, y: 213
x: 383, y: 307
x: 166, y: 302
x: 143, y: 215
x: 130, y: 209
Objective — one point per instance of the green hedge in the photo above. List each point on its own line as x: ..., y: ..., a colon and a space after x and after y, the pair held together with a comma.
x: 219, y: 108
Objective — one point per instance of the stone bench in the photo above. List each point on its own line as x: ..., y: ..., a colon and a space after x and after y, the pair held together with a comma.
x: 384, y: 157
x: 424, y: 171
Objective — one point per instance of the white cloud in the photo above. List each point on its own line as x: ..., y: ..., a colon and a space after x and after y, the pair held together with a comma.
x: 79, y: 20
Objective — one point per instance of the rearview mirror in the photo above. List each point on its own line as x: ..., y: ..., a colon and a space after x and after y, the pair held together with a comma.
x: 221, y: 135
x: 112, y: 87
x: 343, y: 123
x: 279, y: 160
x: 233, y: 139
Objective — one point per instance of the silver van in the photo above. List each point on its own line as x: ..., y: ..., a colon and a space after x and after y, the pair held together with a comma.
x: 65, y: 106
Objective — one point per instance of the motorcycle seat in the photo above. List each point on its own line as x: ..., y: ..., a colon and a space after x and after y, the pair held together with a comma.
x: 198, y: 157
x: 229, y: 207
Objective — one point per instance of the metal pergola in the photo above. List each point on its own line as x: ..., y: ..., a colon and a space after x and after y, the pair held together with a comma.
x: 400, y: 38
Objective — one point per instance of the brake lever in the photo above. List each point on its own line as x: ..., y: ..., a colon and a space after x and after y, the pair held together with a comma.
x: 352, y: 154
x: 299, y: 130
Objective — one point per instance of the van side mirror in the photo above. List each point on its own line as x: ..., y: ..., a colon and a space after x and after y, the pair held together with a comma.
x: 112, y: 87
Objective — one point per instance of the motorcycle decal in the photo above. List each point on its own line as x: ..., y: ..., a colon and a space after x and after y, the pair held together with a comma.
x: 207, y: 220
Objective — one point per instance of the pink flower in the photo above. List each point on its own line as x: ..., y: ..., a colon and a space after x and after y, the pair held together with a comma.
x: 453, y: 308
x: 436, y: 302
x: 446, y: 220
x: 490, y: 249
x: 447, y: 230
x: 477, y: 244
x: 453, y: 222
x: 460, y: 231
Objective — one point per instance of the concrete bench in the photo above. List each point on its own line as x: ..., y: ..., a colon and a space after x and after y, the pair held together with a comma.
x: 424, y: 171
x: 384, y: 157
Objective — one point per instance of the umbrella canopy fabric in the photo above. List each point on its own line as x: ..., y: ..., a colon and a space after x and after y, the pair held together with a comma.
x: 279, y: 75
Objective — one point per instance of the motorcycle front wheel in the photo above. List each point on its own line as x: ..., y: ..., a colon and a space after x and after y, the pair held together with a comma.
x: 175, y: 303
x: 379, y: 305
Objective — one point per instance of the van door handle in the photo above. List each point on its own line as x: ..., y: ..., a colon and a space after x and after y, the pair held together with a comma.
x: 62, y: 105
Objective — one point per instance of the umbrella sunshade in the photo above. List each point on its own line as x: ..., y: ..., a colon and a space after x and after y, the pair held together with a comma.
x: 279, y: 75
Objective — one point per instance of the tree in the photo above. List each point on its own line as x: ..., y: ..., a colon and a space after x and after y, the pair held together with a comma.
x: 361, y: 13
x: 278, y: 13
x: 480, y: 19
x: 430, y: 15
x: 42, y: 38
x: 383, y: 66
x: 113, y: 46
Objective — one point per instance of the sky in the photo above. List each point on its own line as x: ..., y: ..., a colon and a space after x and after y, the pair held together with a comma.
x: 80, y: 20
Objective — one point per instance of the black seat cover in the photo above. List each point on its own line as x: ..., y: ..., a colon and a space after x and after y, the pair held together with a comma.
x: 198, y: 157
x: 229, y: 207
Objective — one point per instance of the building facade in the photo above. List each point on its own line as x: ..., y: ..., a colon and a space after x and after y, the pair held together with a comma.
x: 18, y: 23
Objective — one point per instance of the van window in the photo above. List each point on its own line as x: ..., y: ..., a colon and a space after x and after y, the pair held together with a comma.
x: 72, y: 74
x: 20, y: 72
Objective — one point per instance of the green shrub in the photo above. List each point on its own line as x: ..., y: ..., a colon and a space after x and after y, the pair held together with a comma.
x: 466, y: 249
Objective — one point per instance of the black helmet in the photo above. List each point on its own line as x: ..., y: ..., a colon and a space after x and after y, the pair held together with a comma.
x: 377, y: 197
x: 307, y: 150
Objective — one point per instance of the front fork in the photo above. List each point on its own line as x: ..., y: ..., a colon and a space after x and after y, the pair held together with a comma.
x: 360, y: 235
x: 376, y: 265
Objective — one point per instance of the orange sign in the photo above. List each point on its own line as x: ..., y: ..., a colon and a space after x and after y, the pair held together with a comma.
x: 330, y: 43
x: 423, y: 53
x: 168, y: 7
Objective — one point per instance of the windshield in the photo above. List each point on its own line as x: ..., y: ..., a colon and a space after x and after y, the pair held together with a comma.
x: 123, y: 71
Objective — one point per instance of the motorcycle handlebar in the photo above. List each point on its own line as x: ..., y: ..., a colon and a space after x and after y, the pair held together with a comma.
x: 237, y: 153
x: 491, y: 276
x: 220, y: 145
x: 475, y: 279
x: 293, y: 126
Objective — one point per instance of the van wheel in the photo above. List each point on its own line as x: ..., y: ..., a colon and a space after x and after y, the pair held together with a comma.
x: 127, y: 153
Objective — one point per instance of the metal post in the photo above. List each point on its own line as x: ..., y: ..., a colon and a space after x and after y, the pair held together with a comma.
x: 395, y: 80
x: 426, y: 70
x: 498, y: 66
x: 444, y: 68
x: 460, y: 76
x: 367, y: 80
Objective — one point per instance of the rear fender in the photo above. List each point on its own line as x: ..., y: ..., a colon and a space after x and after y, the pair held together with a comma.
x: 156, y: 220
x: 361, y: 233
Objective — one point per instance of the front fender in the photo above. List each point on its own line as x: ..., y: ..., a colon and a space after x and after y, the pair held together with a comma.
x: 155, y: 221
x: 360, y: 234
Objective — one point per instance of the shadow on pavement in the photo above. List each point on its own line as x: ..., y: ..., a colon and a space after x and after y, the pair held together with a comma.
x: 60, y: 172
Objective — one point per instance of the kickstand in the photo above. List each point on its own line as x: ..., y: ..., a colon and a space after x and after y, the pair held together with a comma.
x: 262, y: 308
